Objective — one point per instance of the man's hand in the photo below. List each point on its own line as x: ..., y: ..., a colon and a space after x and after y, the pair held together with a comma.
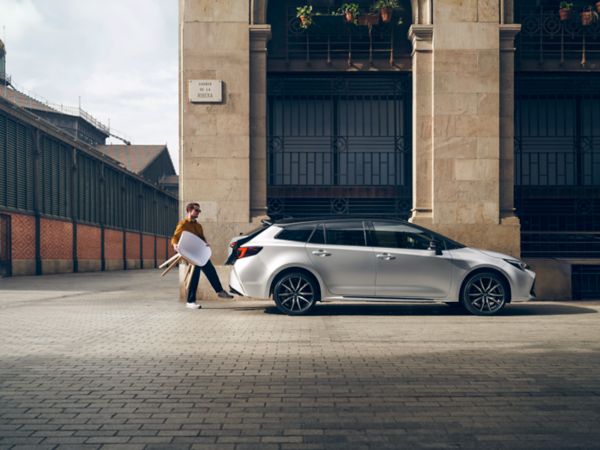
x: 176, y: 248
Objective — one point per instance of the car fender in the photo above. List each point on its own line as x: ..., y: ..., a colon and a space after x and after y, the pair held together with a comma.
x: 461, y: 279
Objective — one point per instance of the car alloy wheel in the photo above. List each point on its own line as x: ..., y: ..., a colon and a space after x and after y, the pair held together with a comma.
x: 484, y: 294
x: 295, y: 293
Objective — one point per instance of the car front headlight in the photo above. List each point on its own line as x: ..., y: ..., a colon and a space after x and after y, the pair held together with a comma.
x: 518, y: 264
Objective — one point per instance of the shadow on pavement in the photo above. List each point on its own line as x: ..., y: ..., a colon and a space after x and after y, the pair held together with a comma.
x: 378, y: 309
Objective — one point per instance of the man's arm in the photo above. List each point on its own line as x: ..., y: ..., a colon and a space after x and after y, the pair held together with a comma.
x: 177, y: 234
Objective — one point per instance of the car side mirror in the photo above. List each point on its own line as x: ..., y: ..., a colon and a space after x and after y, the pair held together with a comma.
x: 434, y: 246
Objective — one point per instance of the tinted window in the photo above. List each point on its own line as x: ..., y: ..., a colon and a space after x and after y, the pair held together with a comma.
x: 318, y: 236
x: 299, y: 233
x: 395, y: 235
x: 345, y: 233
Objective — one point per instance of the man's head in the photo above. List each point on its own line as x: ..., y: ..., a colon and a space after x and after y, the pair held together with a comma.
x: 193, y: 210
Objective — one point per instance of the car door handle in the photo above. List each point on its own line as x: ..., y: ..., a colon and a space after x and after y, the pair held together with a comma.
x: 385, y: 256
x: 321, y: 253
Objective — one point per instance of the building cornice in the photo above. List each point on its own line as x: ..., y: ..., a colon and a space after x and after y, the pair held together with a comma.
x: 421, y: 38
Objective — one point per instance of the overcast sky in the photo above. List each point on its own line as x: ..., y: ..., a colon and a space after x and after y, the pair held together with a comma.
x: 119, y: 56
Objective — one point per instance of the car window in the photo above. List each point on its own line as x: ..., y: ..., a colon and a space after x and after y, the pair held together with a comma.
x: 318, y: 236
x: 299, y: 233
x: 397, y: 235
x: 345, y: 233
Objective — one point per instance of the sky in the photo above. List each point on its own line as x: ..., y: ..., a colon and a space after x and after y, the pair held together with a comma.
x: 118, y: 57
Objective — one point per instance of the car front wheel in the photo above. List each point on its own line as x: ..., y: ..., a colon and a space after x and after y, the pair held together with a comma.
x: 484, y: 294
x: 295, y: 293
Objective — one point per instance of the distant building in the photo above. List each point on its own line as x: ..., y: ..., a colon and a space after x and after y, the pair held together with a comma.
x: 152, y: 162
x: 64, y: 205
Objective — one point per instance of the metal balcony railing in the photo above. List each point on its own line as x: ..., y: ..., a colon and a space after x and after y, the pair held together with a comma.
x: 545, y: 38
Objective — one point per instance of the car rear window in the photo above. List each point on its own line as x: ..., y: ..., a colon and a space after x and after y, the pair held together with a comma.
x: 345, y: 233
x: 298, y: 233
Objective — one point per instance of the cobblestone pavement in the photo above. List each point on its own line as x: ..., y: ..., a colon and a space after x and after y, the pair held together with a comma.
x: 116, y: 361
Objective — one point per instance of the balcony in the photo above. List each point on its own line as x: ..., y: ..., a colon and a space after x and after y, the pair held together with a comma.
x: 331, y: 43
x: 548, y: 43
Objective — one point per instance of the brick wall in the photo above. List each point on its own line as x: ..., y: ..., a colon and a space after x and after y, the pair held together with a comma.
x: 22, y: 244
x: 56, y: 239
x: 56, y: 247
x: 23, y: 237
x: 161, y: 250
x: 113, y: 244
x: 89, y: 242
x: 148, y: 251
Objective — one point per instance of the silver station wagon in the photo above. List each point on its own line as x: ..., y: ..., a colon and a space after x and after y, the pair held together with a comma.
x: 299, y: 263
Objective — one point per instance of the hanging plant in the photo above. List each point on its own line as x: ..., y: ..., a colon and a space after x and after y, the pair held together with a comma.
x: 386, y: 9
x: 588, y: 16
x: 350, y: 12
x: 564, y: 11
x: 305, y: 14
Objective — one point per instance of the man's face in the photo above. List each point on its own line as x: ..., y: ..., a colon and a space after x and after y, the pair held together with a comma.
x: 194, y: 213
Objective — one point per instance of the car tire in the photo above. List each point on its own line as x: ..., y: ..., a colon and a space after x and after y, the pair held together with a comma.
x: 295, y: 293
x: 484, y: 294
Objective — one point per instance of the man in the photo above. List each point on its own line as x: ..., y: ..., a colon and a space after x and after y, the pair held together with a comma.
x: 190, y: 224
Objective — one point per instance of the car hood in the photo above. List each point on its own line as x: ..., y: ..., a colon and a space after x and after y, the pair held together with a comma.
x: 495, y: 254
x: 477, y: 251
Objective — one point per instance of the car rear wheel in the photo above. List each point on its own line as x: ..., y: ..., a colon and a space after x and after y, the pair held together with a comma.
x: 484, y: 294
x: 295, y: 293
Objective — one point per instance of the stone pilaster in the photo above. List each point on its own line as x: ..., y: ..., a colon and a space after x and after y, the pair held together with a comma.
x: 259, y: 36
x: 421, y: 37
x: 461, y: 150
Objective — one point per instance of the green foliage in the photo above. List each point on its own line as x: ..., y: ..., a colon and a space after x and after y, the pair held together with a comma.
x: 565, y: 5
x: 380, y: 4
x: 351, y: 8
x: 305, y: 14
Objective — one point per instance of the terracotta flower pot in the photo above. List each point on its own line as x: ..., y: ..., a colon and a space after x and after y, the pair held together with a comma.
x: 586, y: 18
x: 305, y: 21
x: 598, y: 7
x: 564, y: 13
x: 349, y: 17
x: 386, y: 14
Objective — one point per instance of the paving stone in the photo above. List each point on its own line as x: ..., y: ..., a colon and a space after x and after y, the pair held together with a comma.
x: 120, y: 364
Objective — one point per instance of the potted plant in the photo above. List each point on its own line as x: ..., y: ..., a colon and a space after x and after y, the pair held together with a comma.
x: 588, y: 15
x: 305, y: 14
x: 564, y: 11
x: 598, y: 7
x: 350, y: 12
x: 386, y: 9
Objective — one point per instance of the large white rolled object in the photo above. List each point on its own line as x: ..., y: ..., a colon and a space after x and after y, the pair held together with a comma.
x: 194, y: 249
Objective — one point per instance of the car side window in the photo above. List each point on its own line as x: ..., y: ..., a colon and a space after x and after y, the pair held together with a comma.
x: 345, y: 233
x: 298, y: 233
x: 318, y: 236
x: 398, y: 235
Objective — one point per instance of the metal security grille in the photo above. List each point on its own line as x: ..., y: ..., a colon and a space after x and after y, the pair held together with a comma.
x: 339, y: 145
x: 557, y: 163
x: 73, y: 184
x: 5, y: 247
x: 585, y: 282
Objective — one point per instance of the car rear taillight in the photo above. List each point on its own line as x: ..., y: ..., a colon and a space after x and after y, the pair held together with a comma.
x: 242, y: 252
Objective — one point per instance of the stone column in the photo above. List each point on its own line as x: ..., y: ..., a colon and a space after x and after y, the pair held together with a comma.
x: 465, y: 173
x: 259, y: 36
x: 507, y: 119
x: 215, y: 138
x: 422, y: 84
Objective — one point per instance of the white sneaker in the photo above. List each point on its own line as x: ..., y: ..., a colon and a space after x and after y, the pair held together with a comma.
x: 193, y: 305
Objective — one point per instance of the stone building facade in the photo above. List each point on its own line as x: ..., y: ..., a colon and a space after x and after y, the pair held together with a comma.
x: 299, y: 130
